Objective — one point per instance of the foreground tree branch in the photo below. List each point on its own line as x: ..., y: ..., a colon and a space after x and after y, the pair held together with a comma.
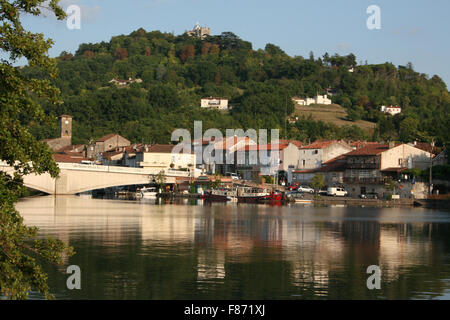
x: 20, y: 272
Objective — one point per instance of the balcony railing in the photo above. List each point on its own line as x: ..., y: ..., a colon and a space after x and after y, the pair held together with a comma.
x: 363, y: 166
x: 365, y: 180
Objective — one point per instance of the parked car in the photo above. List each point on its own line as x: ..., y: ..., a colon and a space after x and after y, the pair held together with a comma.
x: 337, y: 192
x: 233, y: 175
x: 323, y: 192
x: 292, y: 187
x: 370, y: 195
x: 306, y: 189
x: 295, y: 194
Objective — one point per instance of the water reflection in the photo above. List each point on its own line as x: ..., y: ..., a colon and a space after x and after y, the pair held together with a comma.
x: 196, y: 250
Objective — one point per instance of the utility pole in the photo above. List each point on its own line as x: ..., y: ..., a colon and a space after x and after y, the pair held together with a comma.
x: 285, y: 119
x: 430, y: 186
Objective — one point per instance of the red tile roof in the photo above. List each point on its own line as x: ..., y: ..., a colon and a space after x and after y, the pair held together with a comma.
x: 110, y: 154
x: 393, y: 169
x: 336, y: 164
x: 108, y: 136
x: 423, y: 146
x: 204, y: 141
x: 68, y: 158
x: 214, y: 98
x: 360, y: 144
x: 320, y: 144
x: 296, y: 143
x: 264, y: 147
x: 230, y: 142
x: 161, y: 148
x: 370, y: 150
x: 69, y: 148
x: 305, y: 171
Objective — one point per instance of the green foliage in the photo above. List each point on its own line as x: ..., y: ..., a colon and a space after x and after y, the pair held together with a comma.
x: 216, y: 182
x: 441, y: 172
x: 20, y: 99
x: 391, y: 185
x: 268, y: 179
x: 161, y: 179
x: 318, y: 181
x: 177, y: 71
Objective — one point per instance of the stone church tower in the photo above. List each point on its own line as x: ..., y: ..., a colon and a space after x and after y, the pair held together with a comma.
x: 66, y: 127
x: 65, y: 137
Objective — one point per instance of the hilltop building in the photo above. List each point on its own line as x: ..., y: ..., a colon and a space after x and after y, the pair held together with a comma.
x: 392, y: 110
x: 123, y: 83
x: 318, y: 99
x: 199, y: 32
x: 214, y: 103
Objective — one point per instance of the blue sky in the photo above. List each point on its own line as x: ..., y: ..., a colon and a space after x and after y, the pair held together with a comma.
x: 411, y: 30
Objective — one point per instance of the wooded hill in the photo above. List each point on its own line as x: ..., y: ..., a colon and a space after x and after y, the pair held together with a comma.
x: 177, y: 71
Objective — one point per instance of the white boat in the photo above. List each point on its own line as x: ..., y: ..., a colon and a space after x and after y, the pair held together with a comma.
x: 303, y: 201
x: 147, y: 193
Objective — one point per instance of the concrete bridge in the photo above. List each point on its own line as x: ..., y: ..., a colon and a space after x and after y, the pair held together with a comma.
x: 76, y: 178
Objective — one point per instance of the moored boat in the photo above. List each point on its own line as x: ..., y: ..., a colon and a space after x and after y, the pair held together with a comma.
x: 219, y: 195
x: 147, y: 193
x: 252, y: 195
x: 272, y: 197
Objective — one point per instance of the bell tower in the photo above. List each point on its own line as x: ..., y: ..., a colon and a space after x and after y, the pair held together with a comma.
x: 66, y: 127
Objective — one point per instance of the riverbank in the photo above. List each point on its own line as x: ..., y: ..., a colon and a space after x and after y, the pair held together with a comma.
x: 433, y: 203
x: 366, y: 202
x: 325, y: 200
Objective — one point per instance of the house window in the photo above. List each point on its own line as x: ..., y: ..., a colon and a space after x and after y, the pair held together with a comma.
x: 304, y: 163
x: 364, y: 174
x: 315, y: 151
x: 400, y: 162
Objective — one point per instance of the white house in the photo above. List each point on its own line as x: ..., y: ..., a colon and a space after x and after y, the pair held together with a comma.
x: 322, y: 99
x: 392, y: 110
x: 299, y: 101
x: 160, y: 156
x: 121, y: 82
x: 314, y: 155
x: 316, y: 100
x: 214, y: 103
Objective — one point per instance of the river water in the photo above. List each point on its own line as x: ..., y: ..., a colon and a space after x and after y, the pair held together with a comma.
x: 194, y: 250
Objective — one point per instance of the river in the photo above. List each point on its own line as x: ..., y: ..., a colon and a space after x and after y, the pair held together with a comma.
x: 194, y: 250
